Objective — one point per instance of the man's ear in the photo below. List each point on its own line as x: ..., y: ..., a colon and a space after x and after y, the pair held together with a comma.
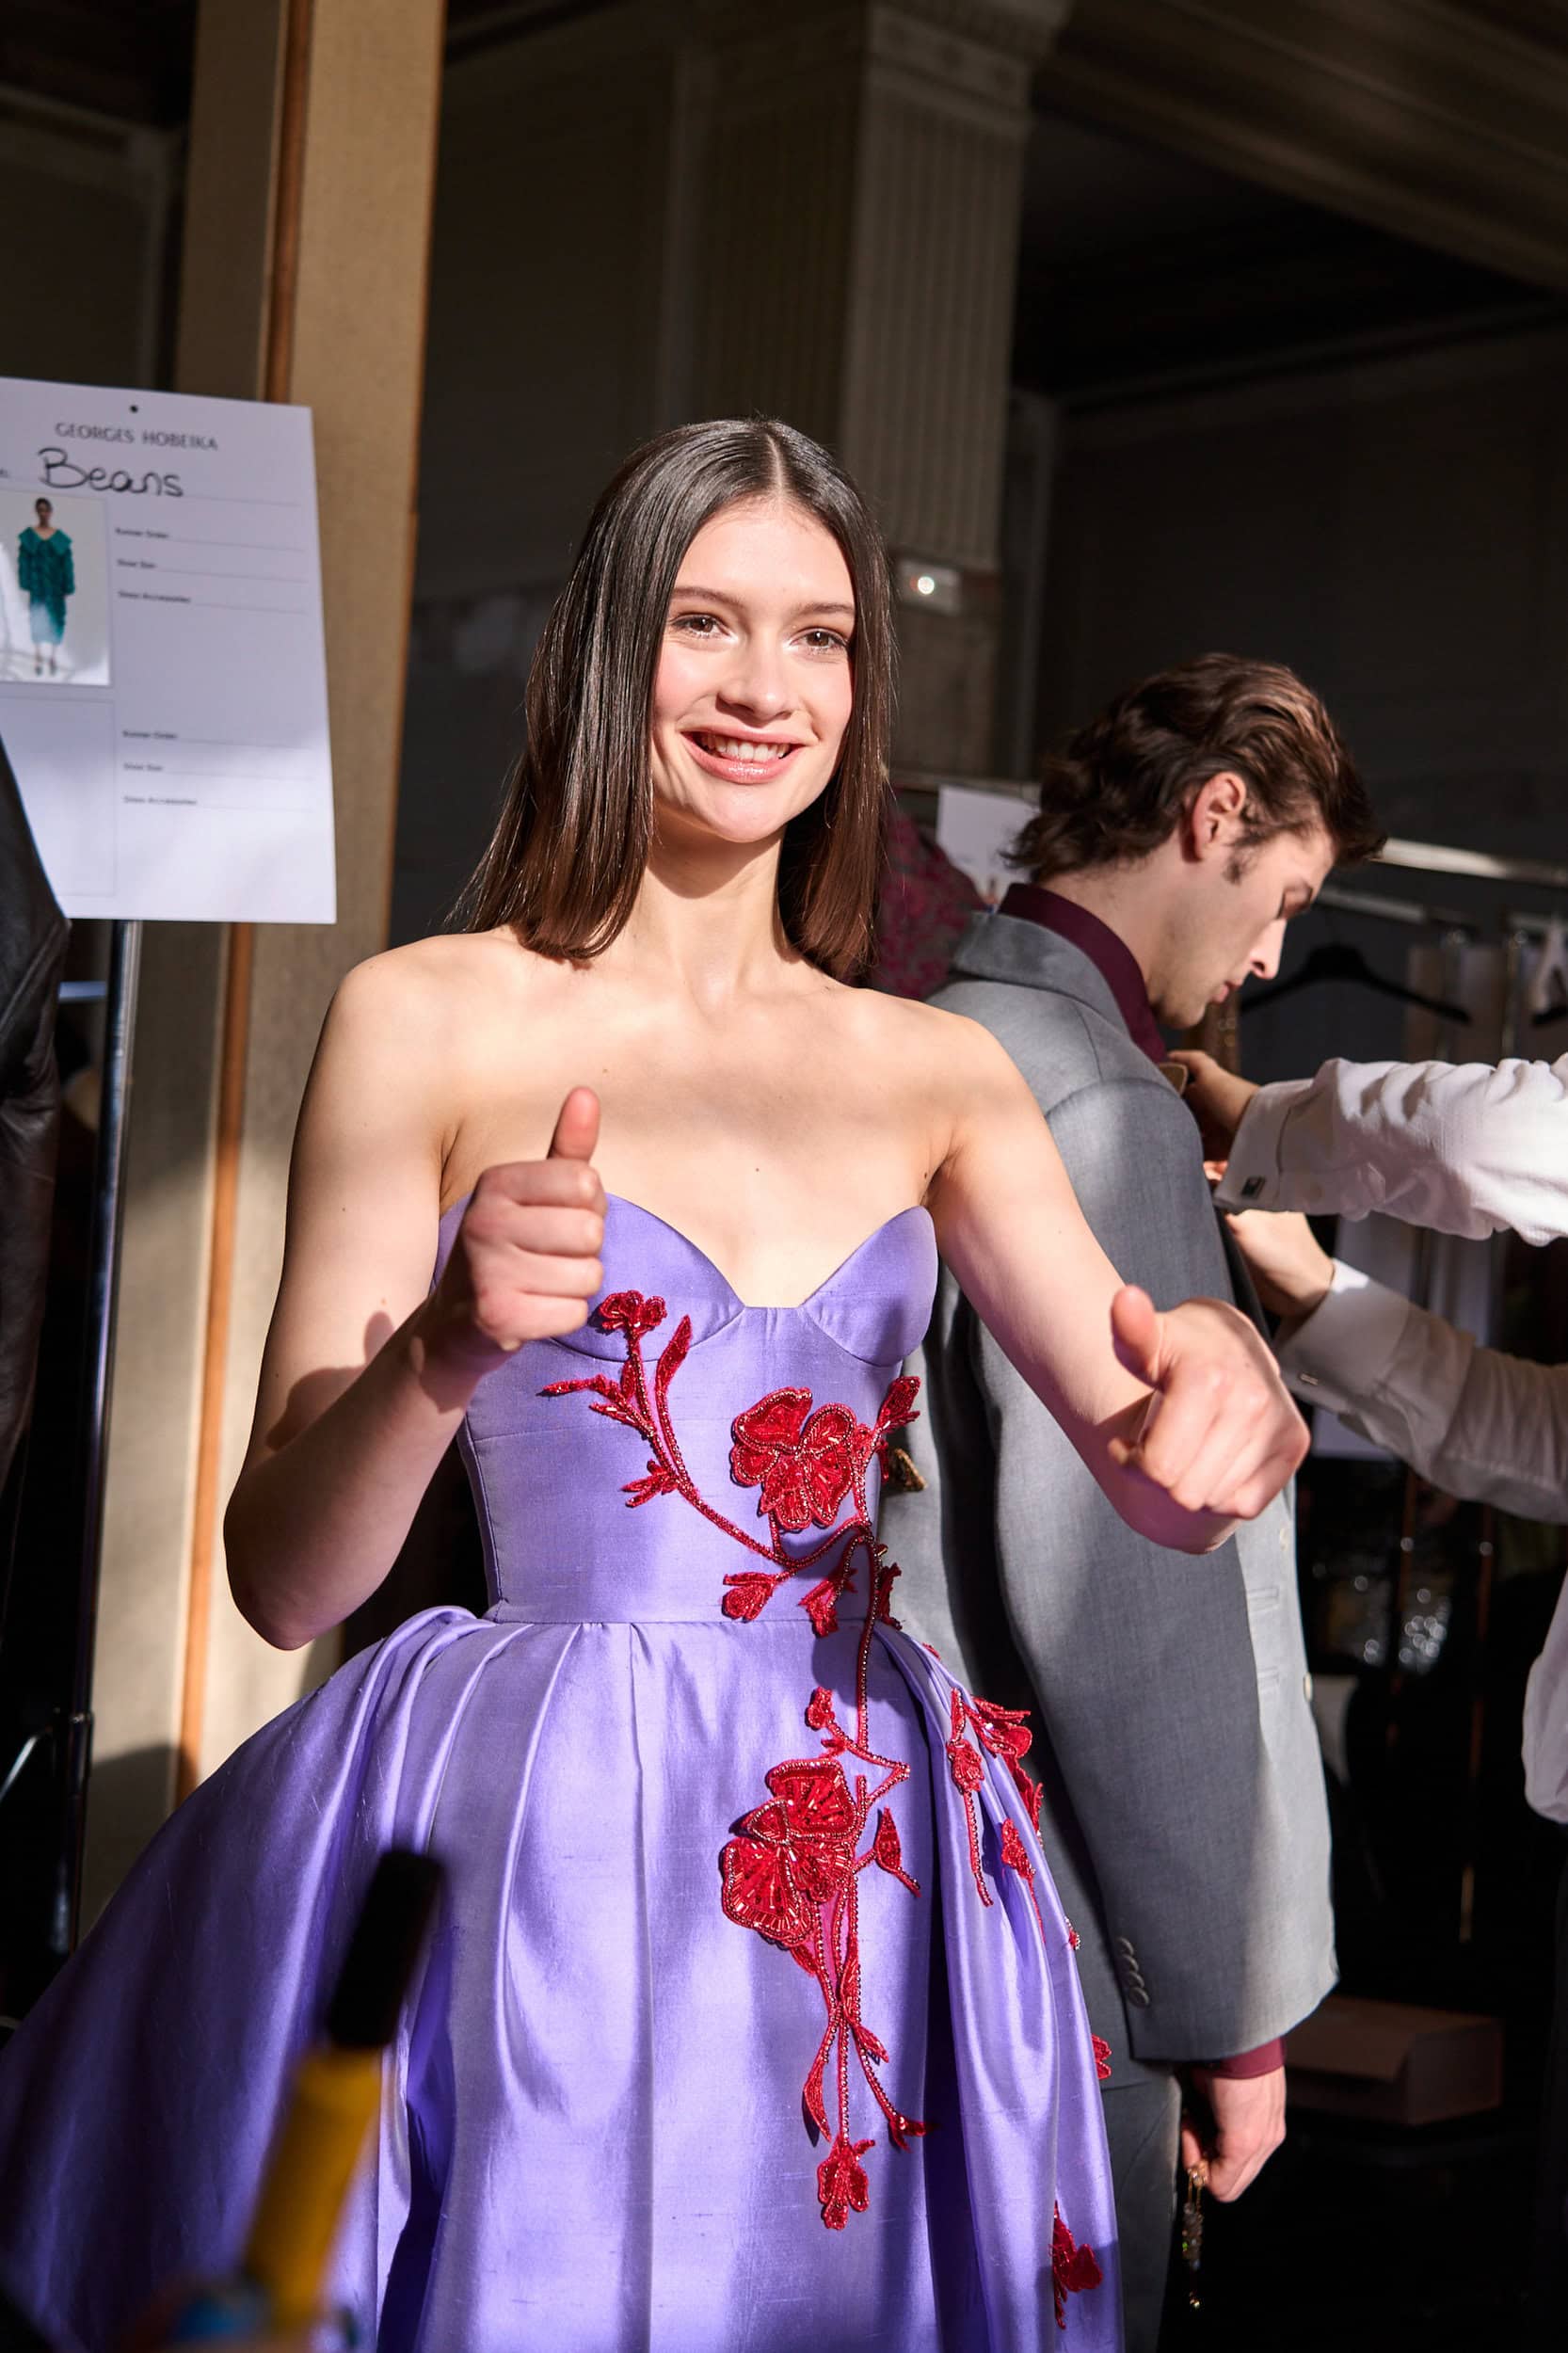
x: 1213, y: 820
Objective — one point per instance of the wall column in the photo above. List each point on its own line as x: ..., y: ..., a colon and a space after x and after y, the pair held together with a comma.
x: 307, y: 230
x: 856, y: 252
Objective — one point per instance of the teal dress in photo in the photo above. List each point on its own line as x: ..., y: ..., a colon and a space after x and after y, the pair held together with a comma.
x: 47, y: 576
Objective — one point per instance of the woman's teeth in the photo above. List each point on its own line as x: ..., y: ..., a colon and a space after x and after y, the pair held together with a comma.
x: 733, y: 747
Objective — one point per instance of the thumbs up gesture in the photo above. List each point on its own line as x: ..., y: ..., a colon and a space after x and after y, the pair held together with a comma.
x: 1220, y: 1435
x: 526, y: 1261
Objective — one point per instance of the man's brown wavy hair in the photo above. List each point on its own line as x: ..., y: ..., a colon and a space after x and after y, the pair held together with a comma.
x: 567, y: 854
x: 1117, y: 788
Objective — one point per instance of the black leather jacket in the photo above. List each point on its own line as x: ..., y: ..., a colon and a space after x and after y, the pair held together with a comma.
x: 33, y: 936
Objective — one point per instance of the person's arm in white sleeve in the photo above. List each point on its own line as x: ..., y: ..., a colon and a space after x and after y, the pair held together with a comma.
x: 1474, y: 1421
x: 1546, y: 1740
x: 1465, y: 1147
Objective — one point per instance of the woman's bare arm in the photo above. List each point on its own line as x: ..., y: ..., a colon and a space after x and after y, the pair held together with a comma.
x: 1218, y: 1439
x: 366, y: 1373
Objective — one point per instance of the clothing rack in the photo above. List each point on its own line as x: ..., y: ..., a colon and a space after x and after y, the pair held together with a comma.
x: 1516, y: 926
x: 1527, y: 922
x: 1437, y: 857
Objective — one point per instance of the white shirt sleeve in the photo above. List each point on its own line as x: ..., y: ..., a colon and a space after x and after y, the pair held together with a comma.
x: 1474, y: 1421
x: 1466, y: 1147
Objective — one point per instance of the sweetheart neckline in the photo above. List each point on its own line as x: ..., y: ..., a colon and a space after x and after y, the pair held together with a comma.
x: 745, y: 1306
x: 794, y: 1307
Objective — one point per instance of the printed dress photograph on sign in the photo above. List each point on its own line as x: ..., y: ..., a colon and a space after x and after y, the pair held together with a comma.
x: 54, y: 591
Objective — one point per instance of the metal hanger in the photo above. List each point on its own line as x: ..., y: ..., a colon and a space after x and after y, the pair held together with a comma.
x: 1337, y: 960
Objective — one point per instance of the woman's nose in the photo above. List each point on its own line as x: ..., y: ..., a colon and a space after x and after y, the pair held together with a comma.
x: 756, y: 684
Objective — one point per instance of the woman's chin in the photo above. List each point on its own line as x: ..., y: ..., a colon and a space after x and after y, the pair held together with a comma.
x: 735, y: 817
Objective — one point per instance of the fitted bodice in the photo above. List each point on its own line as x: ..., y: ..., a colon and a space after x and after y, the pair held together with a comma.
x: 762, y: 1419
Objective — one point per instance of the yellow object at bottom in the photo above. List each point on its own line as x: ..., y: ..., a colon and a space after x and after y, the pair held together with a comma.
x: 336, y: 2094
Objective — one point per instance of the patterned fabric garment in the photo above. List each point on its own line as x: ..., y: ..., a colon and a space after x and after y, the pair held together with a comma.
x: 751, y: 2024
x: 46, y: 575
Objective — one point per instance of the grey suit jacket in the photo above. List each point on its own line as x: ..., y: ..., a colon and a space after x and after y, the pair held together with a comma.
x: 1184, y: 1812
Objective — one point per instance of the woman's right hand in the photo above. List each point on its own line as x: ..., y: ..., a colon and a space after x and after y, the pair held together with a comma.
x: 526, y: 1261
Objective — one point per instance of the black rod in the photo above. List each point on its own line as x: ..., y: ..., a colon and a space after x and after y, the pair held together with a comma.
x: 119, y: 1017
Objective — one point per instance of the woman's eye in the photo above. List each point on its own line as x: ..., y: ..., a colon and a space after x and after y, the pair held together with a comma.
x: 826, y: 641
x: 697, y: 624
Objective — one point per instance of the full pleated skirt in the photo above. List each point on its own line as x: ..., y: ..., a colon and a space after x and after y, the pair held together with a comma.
x: 598, y: 2134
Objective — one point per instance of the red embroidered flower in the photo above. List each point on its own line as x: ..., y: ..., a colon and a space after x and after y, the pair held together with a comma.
x: 747, y: 1594
x: 1014, y: 1853
x: 821, y: 1606
x: 897, y: 1406
x: 1102, y: 2058
x: 890, y: 1853
x: 841, y: 2182
x: 629, y: 1312
x: 1004, y: 1730
x: 792, y: 1854
x: 1072, y: 2268
x: 804, y: 1462
x: 821, y: 1715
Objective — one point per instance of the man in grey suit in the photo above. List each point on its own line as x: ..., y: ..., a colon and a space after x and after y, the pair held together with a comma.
x: 1183, y: 1813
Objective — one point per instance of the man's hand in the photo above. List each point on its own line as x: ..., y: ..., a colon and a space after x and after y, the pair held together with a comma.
x: 1293, y: 1273
x: 1217, y: 1099
x: 1247, y: 2127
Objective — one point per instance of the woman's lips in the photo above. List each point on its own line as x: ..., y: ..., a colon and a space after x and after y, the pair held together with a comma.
x: 742, y: 771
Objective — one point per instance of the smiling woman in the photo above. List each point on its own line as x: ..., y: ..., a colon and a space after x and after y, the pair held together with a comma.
x: 660, y: 586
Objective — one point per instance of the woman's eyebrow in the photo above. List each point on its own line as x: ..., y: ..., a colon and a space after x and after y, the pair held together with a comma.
x: 722, y: 595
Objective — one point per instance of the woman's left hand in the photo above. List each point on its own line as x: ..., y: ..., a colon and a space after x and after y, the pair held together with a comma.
x: 1220, y: 1436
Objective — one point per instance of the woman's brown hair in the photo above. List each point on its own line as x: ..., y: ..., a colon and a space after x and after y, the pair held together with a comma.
x: 567, y: 858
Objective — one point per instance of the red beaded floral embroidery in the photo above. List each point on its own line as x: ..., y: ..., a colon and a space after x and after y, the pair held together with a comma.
x: 1073, y: 2269
x: 792, y: 1872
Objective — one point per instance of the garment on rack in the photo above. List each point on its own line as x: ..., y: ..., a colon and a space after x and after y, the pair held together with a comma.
x: 923, y: 908
x: 1546, y: 979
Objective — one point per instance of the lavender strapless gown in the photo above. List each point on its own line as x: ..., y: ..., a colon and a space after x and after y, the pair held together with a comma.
x: 748, y: 1932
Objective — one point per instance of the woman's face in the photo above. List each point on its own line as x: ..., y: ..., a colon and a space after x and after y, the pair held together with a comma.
x: 754, y: 685
x: 45, y: 512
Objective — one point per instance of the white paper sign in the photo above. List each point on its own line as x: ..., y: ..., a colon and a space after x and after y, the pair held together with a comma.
x: 977, y: 829
x: 163, y: 682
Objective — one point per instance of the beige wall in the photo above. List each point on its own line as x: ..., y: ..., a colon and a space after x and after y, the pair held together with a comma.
x: 305, y: 158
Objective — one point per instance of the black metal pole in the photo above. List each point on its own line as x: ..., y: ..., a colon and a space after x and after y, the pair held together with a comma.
x: 75, y: 1743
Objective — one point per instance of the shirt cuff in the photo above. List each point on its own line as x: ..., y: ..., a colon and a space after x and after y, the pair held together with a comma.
x: 1342, y: 1352
x: 1244, y: 2065
x: 1251, y: 1178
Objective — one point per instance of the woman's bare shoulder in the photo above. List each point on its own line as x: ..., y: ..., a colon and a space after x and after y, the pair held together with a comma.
x: 436, y: 992
x: 948, y: 1050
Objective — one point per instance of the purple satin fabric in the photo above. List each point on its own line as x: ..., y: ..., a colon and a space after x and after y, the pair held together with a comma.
x: 592, y: 2135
